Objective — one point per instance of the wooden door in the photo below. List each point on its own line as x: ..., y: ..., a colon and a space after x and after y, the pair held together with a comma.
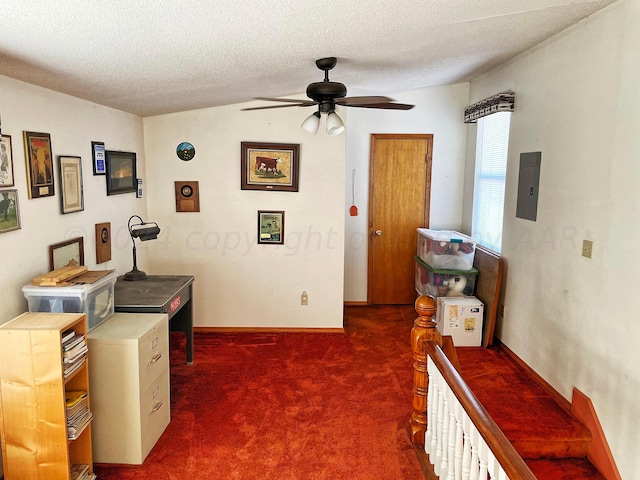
x: 400, y: 184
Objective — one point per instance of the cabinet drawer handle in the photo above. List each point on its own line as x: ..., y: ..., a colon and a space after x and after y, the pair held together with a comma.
x: 155, y: 408
x: 155, y: 358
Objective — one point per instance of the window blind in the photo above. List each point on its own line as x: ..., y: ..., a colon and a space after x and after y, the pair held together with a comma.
x: 490, y: 178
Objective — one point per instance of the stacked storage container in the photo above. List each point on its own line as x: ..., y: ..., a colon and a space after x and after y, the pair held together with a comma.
x: 444, y: 263
x: 444, y: 269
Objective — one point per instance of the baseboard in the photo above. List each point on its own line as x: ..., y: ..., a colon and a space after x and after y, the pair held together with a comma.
x: 560, y: 400
x: 265, y: 330
x: 599, y: 453
x: 356, y: 304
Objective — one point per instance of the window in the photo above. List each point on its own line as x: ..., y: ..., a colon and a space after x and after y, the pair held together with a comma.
x: 491, y: 170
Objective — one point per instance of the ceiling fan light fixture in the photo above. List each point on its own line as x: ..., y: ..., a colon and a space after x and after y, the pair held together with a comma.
x: 334, y: 124
x: 312, y: 123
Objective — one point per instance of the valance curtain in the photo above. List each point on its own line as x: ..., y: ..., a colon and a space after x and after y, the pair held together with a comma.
x: 501, y: 102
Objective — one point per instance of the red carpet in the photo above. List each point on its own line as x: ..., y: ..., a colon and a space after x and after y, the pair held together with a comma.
x: 290, y: 405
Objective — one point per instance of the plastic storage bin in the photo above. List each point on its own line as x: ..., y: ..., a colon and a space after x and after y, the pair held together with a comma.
x: 94, y: 299
x: 446, y: 249
x: 462, y: 318
x: 443, y: 283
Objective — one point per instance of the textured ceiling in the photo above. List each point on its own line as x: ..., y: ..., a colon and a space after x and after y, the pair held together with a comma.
x: 153, y: 57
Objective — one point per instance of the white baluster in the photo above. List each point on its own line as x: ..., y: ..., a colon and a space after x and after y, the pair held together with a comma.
x: 444, y: 462
x: 458, y: 442
x: 435, y: 433
x: 466, y: 446
x: 493, y: 467
x: 483, y: 453
x: 439, y: 429
x: 451, y: 455
x: 475, y: 459
x: 430, y: 389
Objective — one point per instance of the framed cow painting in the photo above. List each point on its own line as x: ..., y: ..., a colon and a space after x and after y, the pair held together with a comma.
x: 269, y: 166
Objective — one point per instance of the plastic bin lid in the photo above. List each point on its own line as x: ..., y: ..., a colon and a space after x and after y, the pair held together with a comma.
x: 443, y: 271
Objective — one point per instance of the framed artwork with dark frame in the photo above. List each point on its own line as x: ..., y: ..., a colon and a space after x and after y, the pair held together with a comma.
x: 121, y: 172
x: 269, y: 166
x: 6, y: 162
x: 99, y: 160
x: 71, y: 197
x: 63, y: 253
x: 9, y: 211
x: 271, y: 227
x: 39, y: 160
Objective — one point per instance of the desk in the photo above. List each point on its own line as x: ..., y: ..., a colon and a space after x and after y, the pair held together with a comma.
x: 170, y: 294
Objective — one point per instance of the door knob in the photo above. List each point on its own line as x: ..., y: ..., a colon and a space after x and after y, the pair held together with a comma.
x: 378, y: 233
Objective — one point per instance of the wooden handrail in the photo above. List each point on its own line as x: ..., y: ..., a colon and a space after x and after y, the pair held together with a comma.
x: 511, y: 462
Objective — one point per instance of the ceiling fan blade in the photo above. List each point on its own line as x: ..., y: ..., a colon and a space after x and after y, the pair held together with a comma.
x: 362, y: 100
x: 385, y: 106
x: 307, y: 104
x: 285, y: 100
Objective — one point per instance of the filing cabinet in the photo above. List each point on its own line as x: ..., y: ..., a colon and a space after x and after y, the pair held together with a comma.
x: 129, y: 363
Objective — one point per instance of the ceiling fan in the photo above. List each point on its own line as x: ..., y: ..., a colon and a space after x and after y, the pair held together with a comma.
x: 326, y: 95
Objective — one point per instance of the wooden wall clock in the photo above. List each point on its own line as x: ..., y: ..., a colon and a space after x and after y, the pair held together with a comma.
x: 187, y: 196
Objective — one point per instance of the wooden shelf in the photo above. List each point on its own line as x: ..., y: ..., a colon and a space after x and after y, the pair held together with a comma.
x: 32, y: 397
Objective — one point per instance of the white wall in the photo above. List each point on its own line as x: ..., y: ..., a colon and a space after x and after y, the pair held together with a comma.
x: 238, y: 282
x: 72, y: 124
x: 438, y: 111
x: 570, y: 318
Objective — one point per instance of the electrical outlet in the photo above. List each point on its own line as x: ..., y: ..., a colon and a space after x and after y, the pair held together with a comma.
x: 587, y: 248
x: 304, y: 298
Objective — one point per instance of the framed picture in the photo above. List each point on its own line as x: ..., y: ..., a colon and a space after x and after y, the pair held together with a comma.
x: 269, y: 166
x: 271, y: 227
x: 70, y: 171
x: 6, y: 162
x: 65, y: 253
x: 99, y: 161
x: 9, y: 212
x: 121, y: 172
x: 37, y: 153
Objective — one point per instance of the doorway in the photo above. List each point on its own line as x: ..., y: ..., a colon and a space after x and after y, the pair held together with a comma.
x: 399, y: 199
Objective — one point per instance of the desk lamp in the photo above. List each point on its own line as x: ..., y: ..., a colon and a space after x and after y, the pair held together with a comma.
x: 144, y: 231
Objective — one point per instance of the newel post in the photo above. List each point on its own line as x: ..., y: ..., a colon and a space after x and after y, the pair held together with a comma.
x: 424, y: 329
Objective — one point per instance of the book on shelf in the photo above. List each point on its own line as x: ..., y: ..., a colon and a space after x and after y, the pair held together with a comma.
x: 73, y: 397
x: 79, y: 471
x: 72, y: 342
x: 69, y: 368
x: 68, y: 335
x: 73, y: 432
x: 75, y: 351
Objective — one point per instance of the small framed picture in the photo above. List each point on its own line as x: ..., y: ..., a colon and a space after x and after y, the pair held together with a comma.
x: 70, y: 171
x: 271, y: 227
x: 39, y: 159
x: 99, y: 160
x: 70, y: 252
x: 121, y: 172
x: 269, y: 166
x: 9, y: 212
x: 6, y: 162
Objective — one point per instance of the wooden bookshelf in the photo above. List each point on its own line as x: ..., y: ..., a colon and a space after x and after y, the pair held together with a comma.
x: 32, y: 398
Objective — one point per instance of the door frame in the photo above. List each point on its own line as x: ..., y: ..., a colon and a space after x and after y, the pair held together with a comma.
x: 428, y: 137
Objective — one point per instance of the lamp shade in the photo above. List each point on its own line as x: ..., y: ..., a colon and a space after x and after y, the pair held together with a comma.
x: 312, y: 123
x: 334, y: 124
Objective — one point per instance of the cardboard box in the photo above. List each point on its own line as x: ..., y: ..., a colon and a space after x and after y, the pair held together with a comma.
x: 462, y: 318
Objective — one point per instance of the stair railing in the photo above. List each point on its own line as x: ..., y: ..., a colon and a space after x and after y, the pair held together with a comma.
x: 462, y: 441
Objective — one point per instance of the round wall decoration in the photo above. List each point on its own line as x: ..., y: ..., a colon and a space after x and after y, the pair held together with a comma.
x: 185, y: 151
